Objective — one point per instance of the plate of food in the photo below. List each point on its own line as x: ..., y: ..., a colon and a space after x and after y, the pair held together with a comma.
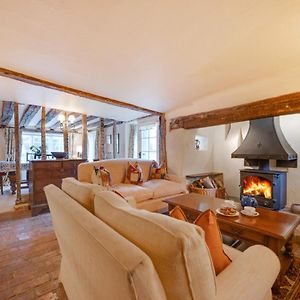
x: 227, y: 211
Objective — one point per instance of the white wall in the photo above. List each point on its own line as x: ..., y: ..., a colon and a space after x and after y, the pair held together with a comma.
x: 183, y: 159
x: 223, y: 147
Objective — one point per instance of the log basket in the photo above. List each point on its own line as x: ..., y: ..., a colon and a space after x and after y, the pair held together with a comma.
x: 215, y: 192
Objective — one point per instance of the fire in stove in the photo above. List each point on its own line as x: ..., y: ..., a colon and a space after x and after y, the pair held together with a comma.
x: 257, y: 186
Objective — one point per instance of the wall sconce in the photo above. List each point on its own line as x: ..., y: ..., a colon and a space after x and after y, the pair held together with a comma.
x: 69, y: 121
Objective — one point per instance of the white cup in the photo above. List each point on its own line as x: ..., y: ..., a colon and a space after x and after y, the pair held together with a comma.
x: 250, y: 210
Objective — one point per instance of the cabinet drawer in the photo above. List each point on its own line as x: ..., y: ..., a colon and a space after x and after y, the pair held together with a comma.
x: 241, y: 233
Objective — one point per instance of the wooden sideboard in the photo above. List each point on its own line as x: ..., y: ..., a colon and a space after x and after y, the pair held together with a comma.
x: 44, y: 172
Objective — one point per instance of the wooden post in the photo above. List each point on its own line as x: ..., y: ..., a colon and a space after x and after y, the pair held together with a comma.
x: 17, y: 153
x: 43, y: 133
x: 84, y: 137
x: 162, y: 140
x: 100, y: 140
x: 114, y: 139
x: 66, y: 134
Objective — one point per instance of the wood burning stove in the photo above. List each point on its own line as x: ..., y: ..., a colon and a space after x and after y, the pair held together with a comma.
x: 267, y: 187
x: 263, y: 142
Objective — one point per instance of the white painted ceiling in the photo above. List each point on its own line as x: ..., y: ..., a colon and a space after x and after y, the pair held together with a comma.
x: 161, y: 55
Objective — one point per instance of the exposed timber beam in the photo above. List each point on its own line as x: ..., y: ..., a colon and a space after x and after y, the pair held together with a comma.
x: 162, y: 140
x: 49, y: 131
x: 43, y: 133
x: 112, y: 124
x: 66, y: 136
x: 100, y: 139
x: 84, y: 136
x: 17, y: 152
x: 29, y: 114
x: 56, y: 125
x: 51, y: 114
x: 51, y: 85
x: 114, y: 139
x: 88, y: 119
x: 270, y: 107
x: 7, y: 112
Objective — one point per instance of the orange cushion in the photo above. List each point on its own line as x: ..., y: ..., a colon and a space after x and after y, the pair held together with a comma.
x: 178, y: 213
x: 208, y: 222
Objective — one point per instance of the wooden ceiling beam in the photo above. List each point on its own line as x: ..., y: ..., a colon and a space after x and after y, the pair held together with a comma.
x: 28, y: 115
x: 7, y: 112
x: 51, y: 114
x: 270, y: 107
x: 54, y: 86
x: 79, y: 122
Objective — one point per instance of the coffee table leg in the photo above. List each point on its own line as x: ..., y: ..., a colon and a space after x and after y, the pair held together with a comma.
x: 289, y: 248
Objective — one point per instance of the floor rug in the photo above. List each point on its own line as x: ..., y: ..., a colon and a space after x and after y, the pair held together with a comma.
x: 290, y: 286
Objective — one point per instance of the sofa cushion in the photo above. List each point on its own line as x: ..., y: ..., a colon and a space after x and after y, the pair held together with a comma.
x: 177, y: 249
x: 134, y: 173
x: 101, y: 176
x: 163, y: 188
x: 178, y: 213
x: 208, y: 222
x: 139, y: 193
x: 158, y: 171
x: 82, y: 192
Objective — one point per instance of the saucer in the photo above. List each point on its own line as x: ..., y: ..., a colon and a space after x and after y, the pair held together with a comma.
x: 256, y: 214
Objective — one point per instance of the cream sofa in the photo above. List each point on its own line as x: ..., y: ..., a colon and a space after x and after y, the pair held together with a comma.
x: 126, y: 253
x: 148, y: 195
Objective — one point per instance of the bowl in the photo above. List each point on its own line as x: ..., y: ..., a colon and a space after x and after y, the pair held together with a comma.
x: 58, y: 155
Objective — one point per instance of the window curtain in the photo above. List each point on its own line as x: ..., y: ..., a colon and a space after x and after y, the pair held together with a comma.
x: 132, y: 133
x: 9, y: 138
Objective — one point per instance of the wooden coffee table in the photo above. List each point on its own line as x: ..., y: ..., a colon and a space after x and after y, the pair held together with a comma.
x: 271, y: 228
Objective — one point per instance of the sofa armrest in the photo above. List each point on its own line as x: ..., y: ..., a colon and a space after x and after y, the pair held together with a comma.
x: 131, y: 201
x: 250, y: 276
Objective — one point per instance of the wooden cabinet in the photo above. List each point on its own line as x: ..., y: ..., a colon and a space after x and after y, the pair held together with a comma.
x: 44, y: 172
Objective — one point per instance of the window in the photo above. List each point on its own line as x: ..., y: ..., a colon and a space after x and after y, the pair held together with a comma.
x: 148, y: 141
x: 54, y: 143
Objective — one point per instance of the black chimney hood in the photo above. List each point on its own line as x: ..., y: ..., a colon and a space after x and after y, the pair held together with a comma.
x: 265, y: 141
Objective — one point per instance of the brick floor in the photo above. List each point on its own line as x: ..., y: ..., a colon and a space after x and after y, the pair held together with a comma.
x: 29, y: 260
